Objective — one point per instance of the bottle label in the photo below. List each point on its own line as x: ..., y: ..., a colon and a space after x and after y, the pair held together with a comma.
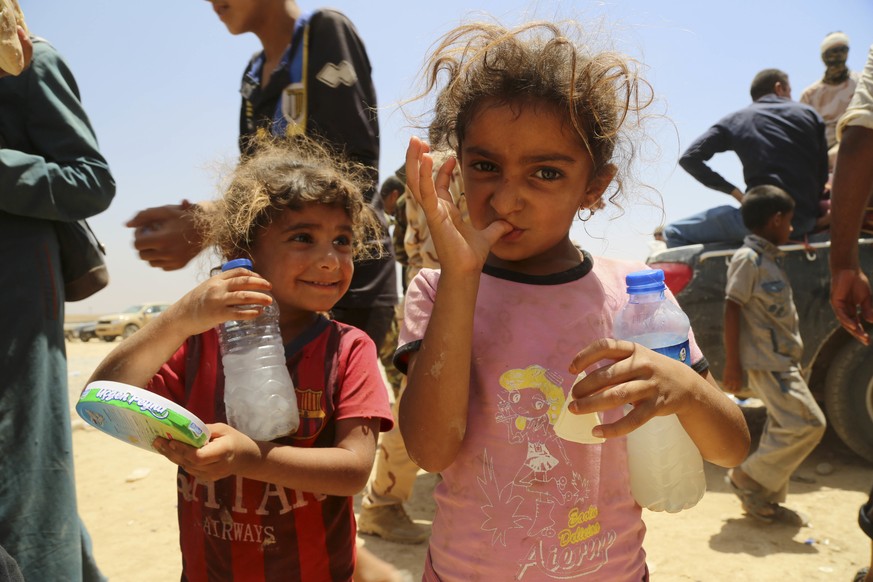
x: 677, y: 352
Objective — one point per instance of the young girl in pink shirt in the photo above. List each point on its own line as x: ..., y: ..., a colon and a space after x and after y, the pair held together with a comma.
x: 493, y: 342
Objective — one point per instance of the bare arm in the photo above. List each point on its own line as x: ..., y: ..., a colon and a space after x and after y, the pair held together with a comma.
x: 716, y: 425
x: 339, y: 470
x: 433, y: 411
x: 733, y: 370
x: 852, y: 187
x: 656, y: 385
x: 138, y: 358
x: 167, y: 236
x: 342, y: 469
x: 737, y: 195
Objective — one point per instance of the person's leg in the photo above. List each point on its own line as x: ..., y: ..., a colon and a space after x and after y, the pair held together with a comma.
x: 795, y: 425
x: 719, y: 224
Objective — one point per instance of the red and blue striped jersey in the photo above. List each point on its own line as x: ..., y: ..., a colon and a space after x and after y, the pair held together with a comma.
x: 241, y: 529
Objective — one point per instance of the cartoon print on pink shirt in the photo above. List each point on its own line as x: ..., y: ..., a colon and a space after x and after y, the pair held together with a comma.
x: 545, y: 500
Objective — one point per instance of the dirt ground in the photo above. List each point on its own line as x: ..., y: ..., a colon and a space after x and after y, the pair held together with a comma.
x: 127, y: 499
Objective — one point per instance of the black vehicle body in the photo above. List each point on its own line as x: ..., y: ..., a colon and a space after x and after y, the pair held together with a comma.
x: 83, y: 331
x: 838, y: 368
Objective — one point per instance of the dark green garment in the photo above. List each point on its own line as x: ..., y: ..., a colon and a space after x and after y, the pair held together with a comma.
x: 50, y: 169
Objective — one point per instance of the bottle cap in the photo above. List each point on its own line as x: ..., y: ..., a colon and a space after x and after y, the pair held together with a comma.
x: 648, y: 281
x: 247, y: 263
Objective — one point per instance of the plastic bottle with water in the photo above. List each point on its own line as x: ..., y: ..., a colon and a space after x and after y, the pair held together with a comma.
x: 259, y: 397
x: 666, y: 469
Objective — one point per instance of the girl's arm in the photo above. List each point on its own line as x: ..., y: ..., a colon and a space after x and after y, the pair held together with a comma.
x: 342, y: 469
x: 433, y: 410
x: 733, y: 369
x: 218, y: 299
x: 657, y: 386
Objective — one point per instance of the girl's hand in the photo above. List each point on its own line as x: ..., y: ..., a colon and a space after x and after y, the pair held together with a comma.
x: 224, y: 297
x: 228, y: 452
x: 459, y: 245
x: 733, y: 378
x: 654, y: 384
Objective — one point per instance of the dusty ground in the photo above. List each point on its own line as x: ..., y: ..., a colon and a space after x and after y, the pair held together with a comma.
x: 127, y: 499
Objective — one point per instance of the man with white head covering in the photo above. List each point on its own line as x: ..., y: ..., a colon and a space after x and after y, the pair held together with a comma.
x: 831, y: 94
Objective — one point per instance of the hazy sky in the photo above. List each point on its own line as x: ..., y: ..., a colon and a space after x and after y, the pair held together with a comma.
x: 160, y: 82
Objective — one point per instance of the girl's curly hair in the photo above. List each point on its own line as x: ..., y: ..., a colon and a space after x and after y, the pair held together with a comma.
x: 484, y: 64
x: 282, y: 174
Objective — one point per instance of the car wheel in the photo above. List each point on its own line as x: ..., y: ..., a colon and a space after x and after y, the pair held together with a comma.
x: 109, y: 338
x: 129, y: 331
x: 85, y: 338
x: 849, y: 397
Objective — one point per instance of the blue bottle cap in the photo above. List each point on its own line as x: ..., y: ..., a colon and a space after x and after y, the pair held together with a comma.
x: 247, y: 263
x: 648, y: 281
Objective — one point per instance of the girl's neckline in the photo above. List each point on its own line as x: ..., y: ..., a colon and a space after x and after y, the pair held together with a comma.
x: 573, y: 274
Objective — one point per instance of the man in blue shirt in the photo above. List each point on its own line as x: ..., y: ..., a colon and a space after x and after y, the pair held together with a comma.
x: 779, y: 142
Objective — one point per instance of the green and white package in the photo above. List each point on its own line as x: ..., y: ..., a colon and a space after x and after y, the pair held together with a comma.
x: 138, y: 416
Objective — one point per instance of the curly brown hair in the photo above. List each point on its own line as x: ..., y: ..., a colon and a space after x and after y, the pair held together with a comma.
x: 484, y: 64
x: 288, y: 174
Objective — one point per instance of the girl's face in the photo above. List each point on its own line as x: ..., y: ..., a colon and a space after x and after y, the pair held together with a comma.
x: 521, y: 165
x: 306, y: 255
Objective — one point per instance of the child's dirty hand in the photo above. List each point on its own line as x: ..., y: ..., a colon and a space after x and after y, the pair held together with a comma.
x: 228, y: 452
x: 653, y: 384
x: 461, y: 246
x: 234, y: 294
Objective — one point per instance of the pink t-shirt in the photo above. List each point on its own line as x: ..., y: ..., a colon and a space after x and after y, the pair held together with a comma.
x: 519, y: 503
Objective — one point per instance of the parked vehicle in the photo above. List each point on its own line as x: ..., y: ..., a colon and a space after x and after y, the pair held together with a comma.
x: 87, y: 331
x: 838, y: 368
x: 82, y: 331
x: 127, y: 322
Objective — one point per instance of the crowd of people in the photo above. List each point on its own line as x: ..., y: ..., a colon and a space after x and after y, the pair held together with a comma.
x: 479, y: 350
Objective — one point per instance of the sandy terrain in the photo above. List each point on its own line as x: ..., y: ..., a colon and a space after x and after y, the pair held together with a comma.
x: 127, y: 499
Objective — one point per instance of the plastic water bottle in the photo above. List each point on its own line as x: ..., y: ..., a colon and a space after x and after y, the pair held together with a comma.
x: 259, y: 397
x: 666, y: 469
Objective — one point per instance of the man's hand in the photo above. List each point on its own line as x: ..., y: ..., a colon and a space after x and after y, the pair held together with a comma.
x: 167, y: 236
x: 737, y: 195
x: 824, y: 220
x: 733, y: 378
x: 851, y: 300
